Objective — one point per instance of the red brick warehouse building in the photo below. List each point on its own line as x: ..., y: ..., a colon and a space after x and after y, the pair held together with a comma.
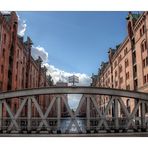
x: 18, y: 69
x: 127, y: 65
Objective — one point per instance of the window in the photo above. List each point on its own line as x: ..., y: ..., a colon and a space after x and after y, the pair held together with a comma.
x: 17, y: 65
x: 146, y: 108
x: 135, y: 71
x: 135, y: 84
x: 144, y: 79
x: 119, y: 58
x: 146, y: 61
x: 126, y: 63
x: 125, y: 51
x: 18, y: 53
x: 143, y: 62
x: 120, y: 69
x: 134, y: 57
x: 115, y: 64
x: 143, y: 29
x: 1, y: 85
x: 108, y: 72
x: 106, y: 83
x: 116, y: 83
x: 143, y: 46
x: 15, y: 108
x: 127, y: 87
x: 109, y: 111
x: 2, y: 69
x: 147, y: 77
x: 4, y: 38
x: 4, y: 52
x: 108, y: 80
x: 106, y: 75
x: 121, y: 80
x: 115, y: 73
x: 128, y: 104
x: 127, y: 75
x: 140, y: 32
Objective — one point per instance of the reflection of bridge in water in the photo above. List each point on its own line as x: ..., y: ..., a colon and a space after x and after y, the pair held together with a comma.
x: 74, y: 121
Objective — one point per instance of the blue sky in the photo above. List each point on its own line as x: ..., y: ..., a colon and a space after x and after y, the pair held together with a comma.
x: 72, y: 42
x: 76, y: 41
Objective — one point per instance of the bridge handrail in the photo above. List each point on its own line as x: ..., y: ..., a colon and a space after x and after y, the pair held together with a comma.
x: 74, y: 90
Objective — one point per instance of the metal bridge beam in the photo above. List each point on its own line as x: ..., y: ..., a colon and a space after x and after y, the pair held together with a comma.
x: 88, y: 112
x: 58, y: 112
x: 88, y: 96
x: 131, y: 116
x: 17, y: 113
x: 47, y: 113
x: 11, y: 115
x: 73, y: 118
x: 40, y: 113
x: 74, y: 90
x: 116, y: 114
x: 143, y: 123
x: 29, y: 114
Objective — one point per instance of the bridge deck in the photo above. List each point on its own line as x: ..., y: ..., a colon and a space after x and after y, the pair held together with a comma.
x: 135, y: 134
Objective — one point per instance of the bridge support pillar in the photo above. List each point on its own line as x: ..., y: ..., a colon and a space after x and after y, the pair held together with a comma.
x: 116, y: 115
x: 29, y: 115
x: 58, y: 114
x: 88, y: 114
x: 1, y: 115
x: 143, y: 124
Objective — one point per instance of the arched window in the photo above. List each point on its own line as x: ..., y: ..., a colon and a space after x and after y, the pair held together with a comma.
x: 120, y: 68
x: 126, y: 63
x: 143, y: 46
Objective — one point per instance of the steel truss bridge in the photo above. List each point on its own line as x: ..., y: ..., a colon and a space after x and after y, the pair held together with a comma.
x: 14, y: 123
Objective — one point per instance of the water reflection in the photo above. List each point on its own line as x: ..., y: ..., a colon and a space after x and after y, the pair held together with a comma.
x: 73, y: 129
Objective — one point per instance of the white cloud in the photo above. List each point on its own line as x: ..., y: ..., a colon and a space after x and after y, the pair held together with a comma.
x: 39, y: 51
x: 21, y: 26
x: 84, y: 80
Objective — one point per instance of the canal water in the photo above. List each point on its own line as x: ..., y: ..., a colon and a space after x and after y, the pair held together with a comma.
x: 73, y: 129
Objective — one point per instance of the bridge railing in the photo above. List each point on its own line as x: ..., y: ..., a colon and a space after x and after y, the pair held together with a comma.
x: 99, y: 110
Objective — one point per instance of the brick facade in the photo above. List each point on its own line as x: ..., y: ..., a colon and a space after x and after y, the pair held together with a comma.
x: 127, y: 67
x: 18, y: 69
